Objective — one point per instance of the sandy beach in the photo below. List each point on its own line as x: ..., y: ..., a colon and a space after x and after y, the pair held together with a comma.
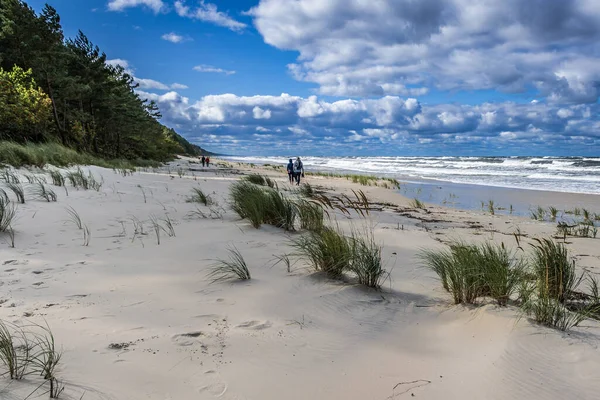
x: 138, y: 319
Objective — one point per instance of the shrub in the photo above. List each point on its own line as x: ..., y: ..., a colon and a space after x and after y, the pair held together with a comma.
x: 233, y: 268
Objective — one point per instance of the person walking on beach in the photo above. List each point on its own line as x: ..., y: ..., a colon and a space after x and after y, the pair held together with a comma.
x: 207, y: 161
x: 203, y: 160
x: 290, y: 171
x: 298, y: 170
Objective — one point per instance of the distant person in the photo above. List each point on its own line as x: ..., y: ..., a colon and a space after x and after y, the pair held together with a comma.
x: 207, y: 161
x: 298, y: 170
x: 203, y: 161
x: 290, y: 171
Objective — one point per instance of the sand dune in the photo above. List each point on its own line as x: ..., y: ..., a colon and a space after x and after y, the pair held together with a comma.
x: 139, y: 320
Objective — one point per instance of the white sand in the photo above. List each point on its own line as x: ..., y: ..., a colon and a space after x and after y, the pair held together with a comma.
x: 281, y: 335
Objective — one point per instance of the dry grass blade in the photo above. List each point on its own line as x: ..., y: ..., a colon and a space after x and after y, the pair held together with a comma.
x: 7, y: 214
x: 44, y: 193
x: 233, y: 268
x: 74, y: 217
x: 17, y: 189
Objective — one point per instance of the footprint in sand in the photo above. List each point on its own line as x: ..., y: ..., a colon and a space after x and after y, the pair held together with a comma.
x: 255, y: 325
x: 189, y: 338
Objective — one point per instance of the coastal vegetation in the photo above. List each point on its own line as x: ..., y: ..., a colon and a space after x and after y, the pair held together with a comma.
x: 62, y: 103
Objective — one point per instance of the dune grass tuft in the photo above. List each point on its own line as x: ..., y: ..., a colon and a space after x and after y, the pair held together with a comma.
x: 554, y: 270
x: 550, y: 312
x: 42, y: 192
x: 261, y: 180
x: 310, y: 214
x: 18, y: 190
x: 327, y: 250
x: 471, y: 271
x: 366, y: 261
x: 234, y: 267
x: 58, y: 179
x: 416, y: 203
x: 8, y: 212
x: 198, y: 196
x: 74, y: 217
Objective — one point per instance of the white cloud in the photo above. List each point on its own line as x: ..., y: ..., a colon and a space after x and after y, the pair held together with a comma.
x: 210, y: 68
x: 120, y: 5
x: 406, y: 47
x: 147, y: 84
x: 178, y: 86
x: 174, y: 38
x: 380, y: 124
x: 208, y: 12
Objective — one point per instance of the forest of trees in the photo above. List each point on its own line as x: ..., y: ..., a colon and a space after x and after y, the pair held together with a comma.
x: 56, y: 89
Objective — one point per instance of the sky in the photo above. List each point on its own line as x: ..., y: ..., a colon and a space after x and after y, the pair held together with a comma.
x: 360, y: 77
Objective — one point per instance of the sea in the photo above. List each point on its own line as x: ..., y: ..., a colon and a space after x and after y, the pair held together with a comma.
x: 468, y: 182
x: 560, y: 174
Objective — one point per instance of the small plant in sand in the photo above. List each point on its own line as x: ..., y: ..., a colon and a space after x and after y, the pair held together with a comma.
x: 470, y: 271
x: 586, y: 214
x: 45, y: 193
x: 577, y: 211
x: 18, y: 190
x: 310, y: 214
x: 366, y: 261
x: 198, y: 196
x: 143, y: 192
x: 180, y: 172
x: 261, y: 180
x: 168, y: 228
x: 156, y: 227
x: 74, y: 217
x: 16, y: 350
x: 327, y: 250
x: 8, y: 212
x: 9, y: 176
x: 4, y: 195
x: 550, y: 312
x: 491, y: 207
x: 234, y: 267
x: 306, y: 190
x: 58, y: 179
x: 553, y: 212
x: 416, y: 203
x: 555, y: 271
x: 539, y: 214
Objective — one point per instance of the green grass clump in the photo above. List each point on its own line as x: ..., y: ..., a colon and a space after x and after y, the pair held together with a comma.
x: 472, y: 271
x: 554, y: 270
x: 550, y: 312
x: 327, y: 250
x: 261, y: 180
x: 553, y: 211
x: 366, y: 261
x: 7, y: 214
x: 39, y: 155
x: 306, y: 190
x: 539, y: 214
x: 262, y: 205
x: 233, y: 268
x: 416, y: 203
x: 311, y: 215
x: 198, y: 196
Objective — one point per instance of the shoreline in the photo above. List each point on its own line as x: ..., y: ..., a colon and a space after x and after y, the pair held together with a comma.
x: 125, y: 305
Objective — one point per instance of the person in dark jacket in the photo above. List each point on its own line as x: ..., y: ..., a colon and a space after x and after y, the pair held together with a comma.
x: 203, y: 161
x: 298, y: 170
x: 290, y: 171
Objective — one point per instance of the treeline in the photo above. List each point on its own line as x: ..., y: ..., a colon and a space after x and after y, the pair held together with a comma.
x: 57, y: 89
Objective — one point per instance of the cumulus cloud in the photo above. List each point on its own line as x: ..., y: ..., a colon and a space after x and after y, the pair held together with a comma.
x: 120, y: 5
x: 381, y: 126
x: 174, y: 38
x: 208, y: 12
x: 210, y: 68
x: 407, y: 47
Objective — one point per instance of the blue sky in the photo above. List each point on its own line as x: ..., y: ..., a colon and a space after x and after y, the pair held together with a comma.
x: 349, y: 77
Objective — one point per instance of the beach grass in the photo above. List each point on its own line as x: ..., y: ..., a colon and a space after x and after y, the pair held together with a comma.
x: 8, y: 212
x: 470, y: 271
x: 45, y: 193
x: 366, y: 262
x: 416, y: 203
x: 234, y: 267
x: 554, y: 269
x: 74, y: 217
x: 310, y: 214
x: 18, y: 190
x: 58, y: 179
x: 261, y: 180
x: 198, y: 196
x: 326, y: 250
